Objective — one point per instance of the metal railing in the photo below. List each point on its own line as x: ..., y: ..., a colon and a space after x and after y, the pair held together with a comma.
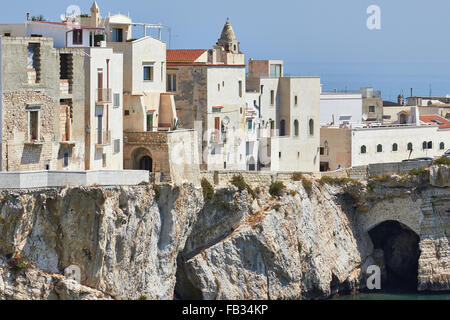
x: 103, y: 137
x: 104, y: 96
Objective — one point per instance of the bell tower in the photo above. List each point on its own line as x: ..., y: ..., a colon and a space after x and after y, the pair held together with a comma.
x: 95, y: 15
x: 228, y: 39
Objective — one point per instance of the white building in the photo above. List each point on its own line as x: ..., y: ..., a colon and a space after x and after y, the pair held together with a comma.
x: 338, y: 108
x: 289, y: 117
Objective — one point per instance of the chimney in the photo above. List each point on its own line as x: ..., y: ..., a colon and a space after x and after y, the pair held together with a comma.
x: 28, y: 16
x: 412, y: 92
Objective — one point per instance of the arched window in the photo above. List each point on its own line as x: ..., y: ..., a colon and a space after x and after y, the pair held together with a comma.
x: 363, y: 149
x: 395, y: 147
x: 410, y: 146
x: 379, y: 148
x: 282, y: 128
x: 430, y: 145
x: 441, y: 146
x: 311, y: 127
x: 296, y: 131
x: 424, y: 145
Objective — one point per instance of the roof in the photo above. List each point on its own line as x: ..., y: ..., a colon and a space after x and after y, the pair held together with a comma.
x: 227, y: 33
x: 65, y: 24
x: 184, y: 55
x: 435, y: 119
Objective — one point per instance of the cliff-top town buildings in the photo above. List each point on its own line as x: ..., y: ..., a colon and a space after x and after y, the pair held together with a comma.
x: 86, y: 95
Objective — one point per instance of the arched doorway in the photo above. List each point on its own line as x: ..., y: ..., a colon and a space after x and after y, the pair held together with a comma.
x: 251, y: 164
x: 397, y: 247
x: 146, y: 163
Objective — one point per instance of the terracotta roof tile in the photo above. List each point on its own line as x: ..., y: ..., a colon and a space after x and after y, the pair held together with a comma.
x: 184, y: 55
x: 436, y: 119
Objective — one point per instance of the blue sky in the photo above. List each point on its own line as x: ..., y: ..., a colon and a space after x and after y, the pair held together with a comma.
x: 321, y: 37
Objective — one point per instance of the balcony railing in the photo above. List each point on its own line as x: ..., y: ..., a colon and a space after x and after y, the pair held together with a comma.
x: 104, y: 96
x: 103, y: 138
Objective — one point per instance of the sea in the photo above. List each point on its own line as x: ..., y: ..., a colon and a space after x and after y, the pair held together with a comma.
x: 391, y: 78
x: 396, y: 295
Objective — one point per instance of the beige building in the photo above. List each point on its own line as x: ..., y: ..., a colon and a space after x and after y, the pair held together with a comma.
x: 372, y: 105
x: 42, y: 105
x: 209, y: 89
x: 348, y: 147
x: 289, y: 111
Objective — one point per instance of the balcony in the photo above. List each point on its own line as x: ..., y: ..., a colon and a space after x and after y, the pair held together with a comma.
x: 216, y: 138
x: 103, y: 138
x: 103, y: 96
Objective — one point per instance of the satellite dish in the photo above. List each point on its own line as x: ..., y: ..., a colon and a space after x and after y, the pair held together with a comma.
x: 226, y: 120
x: 365, y: 117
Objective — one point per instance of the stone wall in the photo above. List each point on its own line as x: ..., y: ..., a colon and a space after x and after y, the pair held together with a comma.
x: 174, y: 154
x: 46, y: 179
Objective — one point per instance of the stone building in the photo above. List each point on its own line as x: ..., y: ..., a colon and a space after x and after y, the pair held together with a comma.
x: 289, y: 123
x: 42, y: 105
x: 209, y: 89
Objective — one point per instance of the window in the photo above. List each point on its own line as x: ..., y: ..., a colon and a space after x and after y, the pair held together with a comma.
x: 410, y: 146
x: 104, y: 160
x: 33, y: 125
x: 379, y: 148
x: 424, y: 145
x: 441, y: 146
x: 275, y: 70
x: 149, y: 122
x: 66, y: 160
x: 240, y: 88
x: 171, y: 82
x: 430, y: 145
x: 279, y: 155
x: 395, y: 147
x: 117, y: 146
x: 148, y: 73
x: 77, y: 37
x: 371, y: 109
x: 322, y: 151
x: 218, y: 87
x: 363, y: 149
x: 296, y: 100
x: 217, y: 123
x: 33, y: 68
x: 127, y: 112
x: 116, y: 100
x: 282, y: 128
x: 311, y: 127
x: 7, y: 34
x: 250, y: 125
x: 272, y: 97
x: 296, y: 129
x: 117, y: 35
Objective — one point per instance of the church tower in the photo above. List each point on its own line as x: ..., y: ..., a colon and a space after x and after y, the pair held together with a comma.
x: 228, y: 39
x: 95, y: 15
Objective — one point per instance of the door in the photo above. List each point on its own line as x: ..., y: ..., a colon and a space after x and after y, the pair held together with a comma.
x: 100, y: 86
x: 146, y: 163
x: 150, y: 122
x: 99, y: 129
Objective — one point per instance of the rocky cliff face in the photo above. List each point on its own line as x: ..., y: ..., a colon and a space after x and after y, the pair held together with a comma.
x: 313, y: 241
x: 124, y: 240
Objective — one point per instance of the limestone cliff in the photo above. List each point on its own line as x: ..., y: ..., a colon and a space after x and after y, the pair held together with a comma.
x: 315, y: 239
x: 125, y: 240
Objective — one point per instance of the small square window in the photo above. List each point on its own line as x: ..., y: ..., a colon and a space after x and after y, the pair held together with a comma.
x: 148, y: 73
x: 371, y: 109
x: 127, y: 112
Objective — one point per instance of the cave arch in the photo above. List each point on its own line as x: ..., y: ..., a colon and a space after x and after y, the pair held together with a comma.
x: 400, y: 249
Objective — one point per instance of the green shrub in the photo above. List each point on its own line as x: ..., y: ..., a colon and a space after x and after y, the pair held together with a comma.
x: 293, y: 193
x: 208, y: 189
x: 307, y: 184
x: 239, y: 182
x: 276, y: 189
x: 297, y: 176
x: 338, y: 181
x: 157, y: 191
x: 417, y: 172
x: 143, y: 298
x: 277, y: 207
x: 442, y: 161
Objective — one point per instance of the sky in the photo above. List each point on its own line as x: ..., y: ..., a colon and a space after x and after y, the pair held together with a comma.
x: 326, y: 38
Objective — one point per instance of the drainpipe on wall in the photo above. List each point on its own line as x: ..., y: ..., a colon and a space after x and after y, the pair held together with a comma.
x: 107, y: 89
